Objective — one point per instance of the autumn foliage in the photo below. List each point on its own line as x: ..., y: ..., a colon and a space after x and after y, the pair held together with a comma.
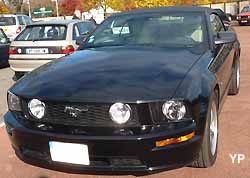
x: 67, y: 7
x: 3, y: 9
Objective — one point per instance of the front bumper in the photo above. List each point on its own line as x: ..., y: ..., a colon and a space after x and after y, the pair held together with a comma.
x: 108, y: 154
x: 244, y: 21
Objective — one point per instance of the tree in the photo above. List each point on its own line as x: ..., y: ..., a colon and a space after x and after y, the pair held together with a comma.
x: 67, y: 7
x: 3, y: 9
x: 104, y: 4
x: 15, y: 5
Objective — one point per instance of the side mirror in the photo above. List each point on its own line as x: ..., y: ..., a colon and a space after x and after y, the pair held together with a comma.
x: 226, y: 37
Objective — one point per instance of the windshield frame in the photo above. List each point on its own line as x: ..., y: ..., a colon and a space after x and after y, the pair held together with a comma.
x: 245, y: 9
x: 206, y: 39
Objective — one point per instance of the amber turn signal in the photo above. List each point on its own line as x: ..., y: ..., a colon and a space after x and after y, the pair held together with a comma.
x: 174, y: 140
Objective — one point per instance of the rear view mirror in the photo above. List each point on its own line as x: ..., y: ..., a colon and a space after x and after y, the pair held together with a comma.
x: 226, y: 37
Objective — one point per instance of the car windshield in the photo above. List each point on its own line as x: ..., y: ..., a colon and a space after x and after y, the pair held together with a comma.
x: 245, y: 9
x: 156, y: 30
x: 7, y: 21
x: 43, y: 33
x: 3, y: 38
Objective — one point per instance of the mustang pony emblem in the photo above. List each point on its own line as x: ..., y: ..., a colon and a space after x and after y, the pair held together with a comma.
x: 75, y: 111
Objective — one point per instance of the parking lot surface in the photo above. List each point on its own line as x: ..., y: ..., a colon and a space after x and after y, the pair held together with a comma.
x: 234, y: 135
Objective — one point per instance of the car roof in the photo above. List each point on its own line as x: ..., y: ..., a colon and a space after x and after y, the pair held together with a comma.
x: 56, y: 22
x: 168, y: 9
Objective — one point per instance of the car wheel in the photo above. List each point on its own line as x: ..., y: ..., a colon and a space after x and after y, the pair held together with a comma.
x: 208, y: 152
x: 235, y: 80
x: 17, y: 76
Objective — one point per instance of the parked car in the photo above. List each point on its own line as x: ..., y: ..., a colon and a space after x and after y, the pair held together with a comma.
x: 224, y: 17
x: 12, y: 24
x: 143, y: 96
x: 42, y: 42
x: 4, y: 49
x: 243, y: 17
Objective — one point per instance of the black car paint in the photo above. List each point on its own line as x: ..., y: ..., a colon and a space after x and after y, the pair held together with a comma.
x: 4, y: 51
x: 108, y: 75
x: 99, y: 68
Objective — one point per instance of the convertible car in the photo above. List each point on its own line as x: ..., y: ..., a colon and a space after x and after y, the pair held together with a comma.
x: 143, y: 96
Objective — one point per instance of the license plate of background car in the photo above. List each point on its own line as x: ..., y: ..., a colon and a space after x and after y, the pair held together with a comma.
x: 69, y: 153
x: 244, y: 21
x: 37, y: 51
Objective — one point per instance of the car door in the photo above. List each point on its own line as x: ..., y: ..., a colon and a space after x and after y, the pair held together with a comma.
x: 4, y: 48
x: 224, y: 55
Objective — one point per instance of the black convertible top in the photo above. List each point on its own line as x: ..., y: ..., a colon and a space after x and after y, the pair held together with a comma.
x: 168, y: 9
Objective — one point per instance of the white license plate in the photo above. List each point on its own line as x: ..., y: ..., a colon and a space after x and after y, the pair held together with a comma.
x: 37, y: 51
x: 244, y: 21
x: 69, y: 153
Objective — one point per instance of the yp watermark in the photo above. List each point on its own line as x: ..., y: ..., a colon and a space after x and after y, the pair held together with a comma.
x: 237, y: 158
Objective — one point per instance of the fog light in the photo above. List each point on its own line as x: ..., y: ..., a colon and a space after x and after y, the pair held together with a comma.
x: 174, y: 140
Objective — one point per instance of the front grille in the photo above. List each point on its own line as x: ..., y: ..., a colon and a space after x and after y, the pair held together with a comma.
x: 92, y: 115
x: 244, y: 17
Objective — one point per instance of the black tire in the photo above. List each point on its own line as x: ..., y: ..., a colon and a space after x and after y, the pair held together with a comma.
x: 17, y: 76
x: 207, y: 157
x: 235, y: 80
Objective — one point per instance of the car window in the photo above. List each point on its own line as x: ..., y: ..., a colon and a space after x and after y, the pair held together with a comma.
x: 42, y: 33
x: 27, y: 20
x: 82, y: 28
x: 3, y: 38
x: 170, y: 30
x: 245, y: 9
x: 217, y: 25
x: 85, y: 27
x: 20, y: 20
x: 76, y: 32
x: 7, y: 21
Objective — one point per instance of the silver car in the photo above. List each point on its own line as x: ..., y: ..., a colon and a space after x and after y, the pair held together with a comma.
x: 42, y: 42
x: 13, y: 25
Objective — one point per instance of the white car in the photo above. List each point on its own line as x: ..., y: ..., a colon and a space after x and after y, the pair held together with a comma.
x: 13, y: 25
x: 42, y: 42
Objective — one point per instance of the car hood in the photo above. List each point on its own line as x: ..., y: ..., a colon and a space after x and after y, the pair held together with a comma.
x: 110, y: 74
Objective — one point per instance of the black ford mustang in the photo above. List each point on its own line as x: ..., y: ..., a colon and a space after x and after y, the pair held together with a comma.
x: 144, y: 95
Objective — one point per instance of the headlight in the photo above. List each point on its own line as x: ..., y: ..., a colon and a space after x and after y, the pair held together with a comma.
x: 14, y: 103
x: 120, y: 113
x: 37, y: 108
x: 238, y: 17
x: 174, y: 110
